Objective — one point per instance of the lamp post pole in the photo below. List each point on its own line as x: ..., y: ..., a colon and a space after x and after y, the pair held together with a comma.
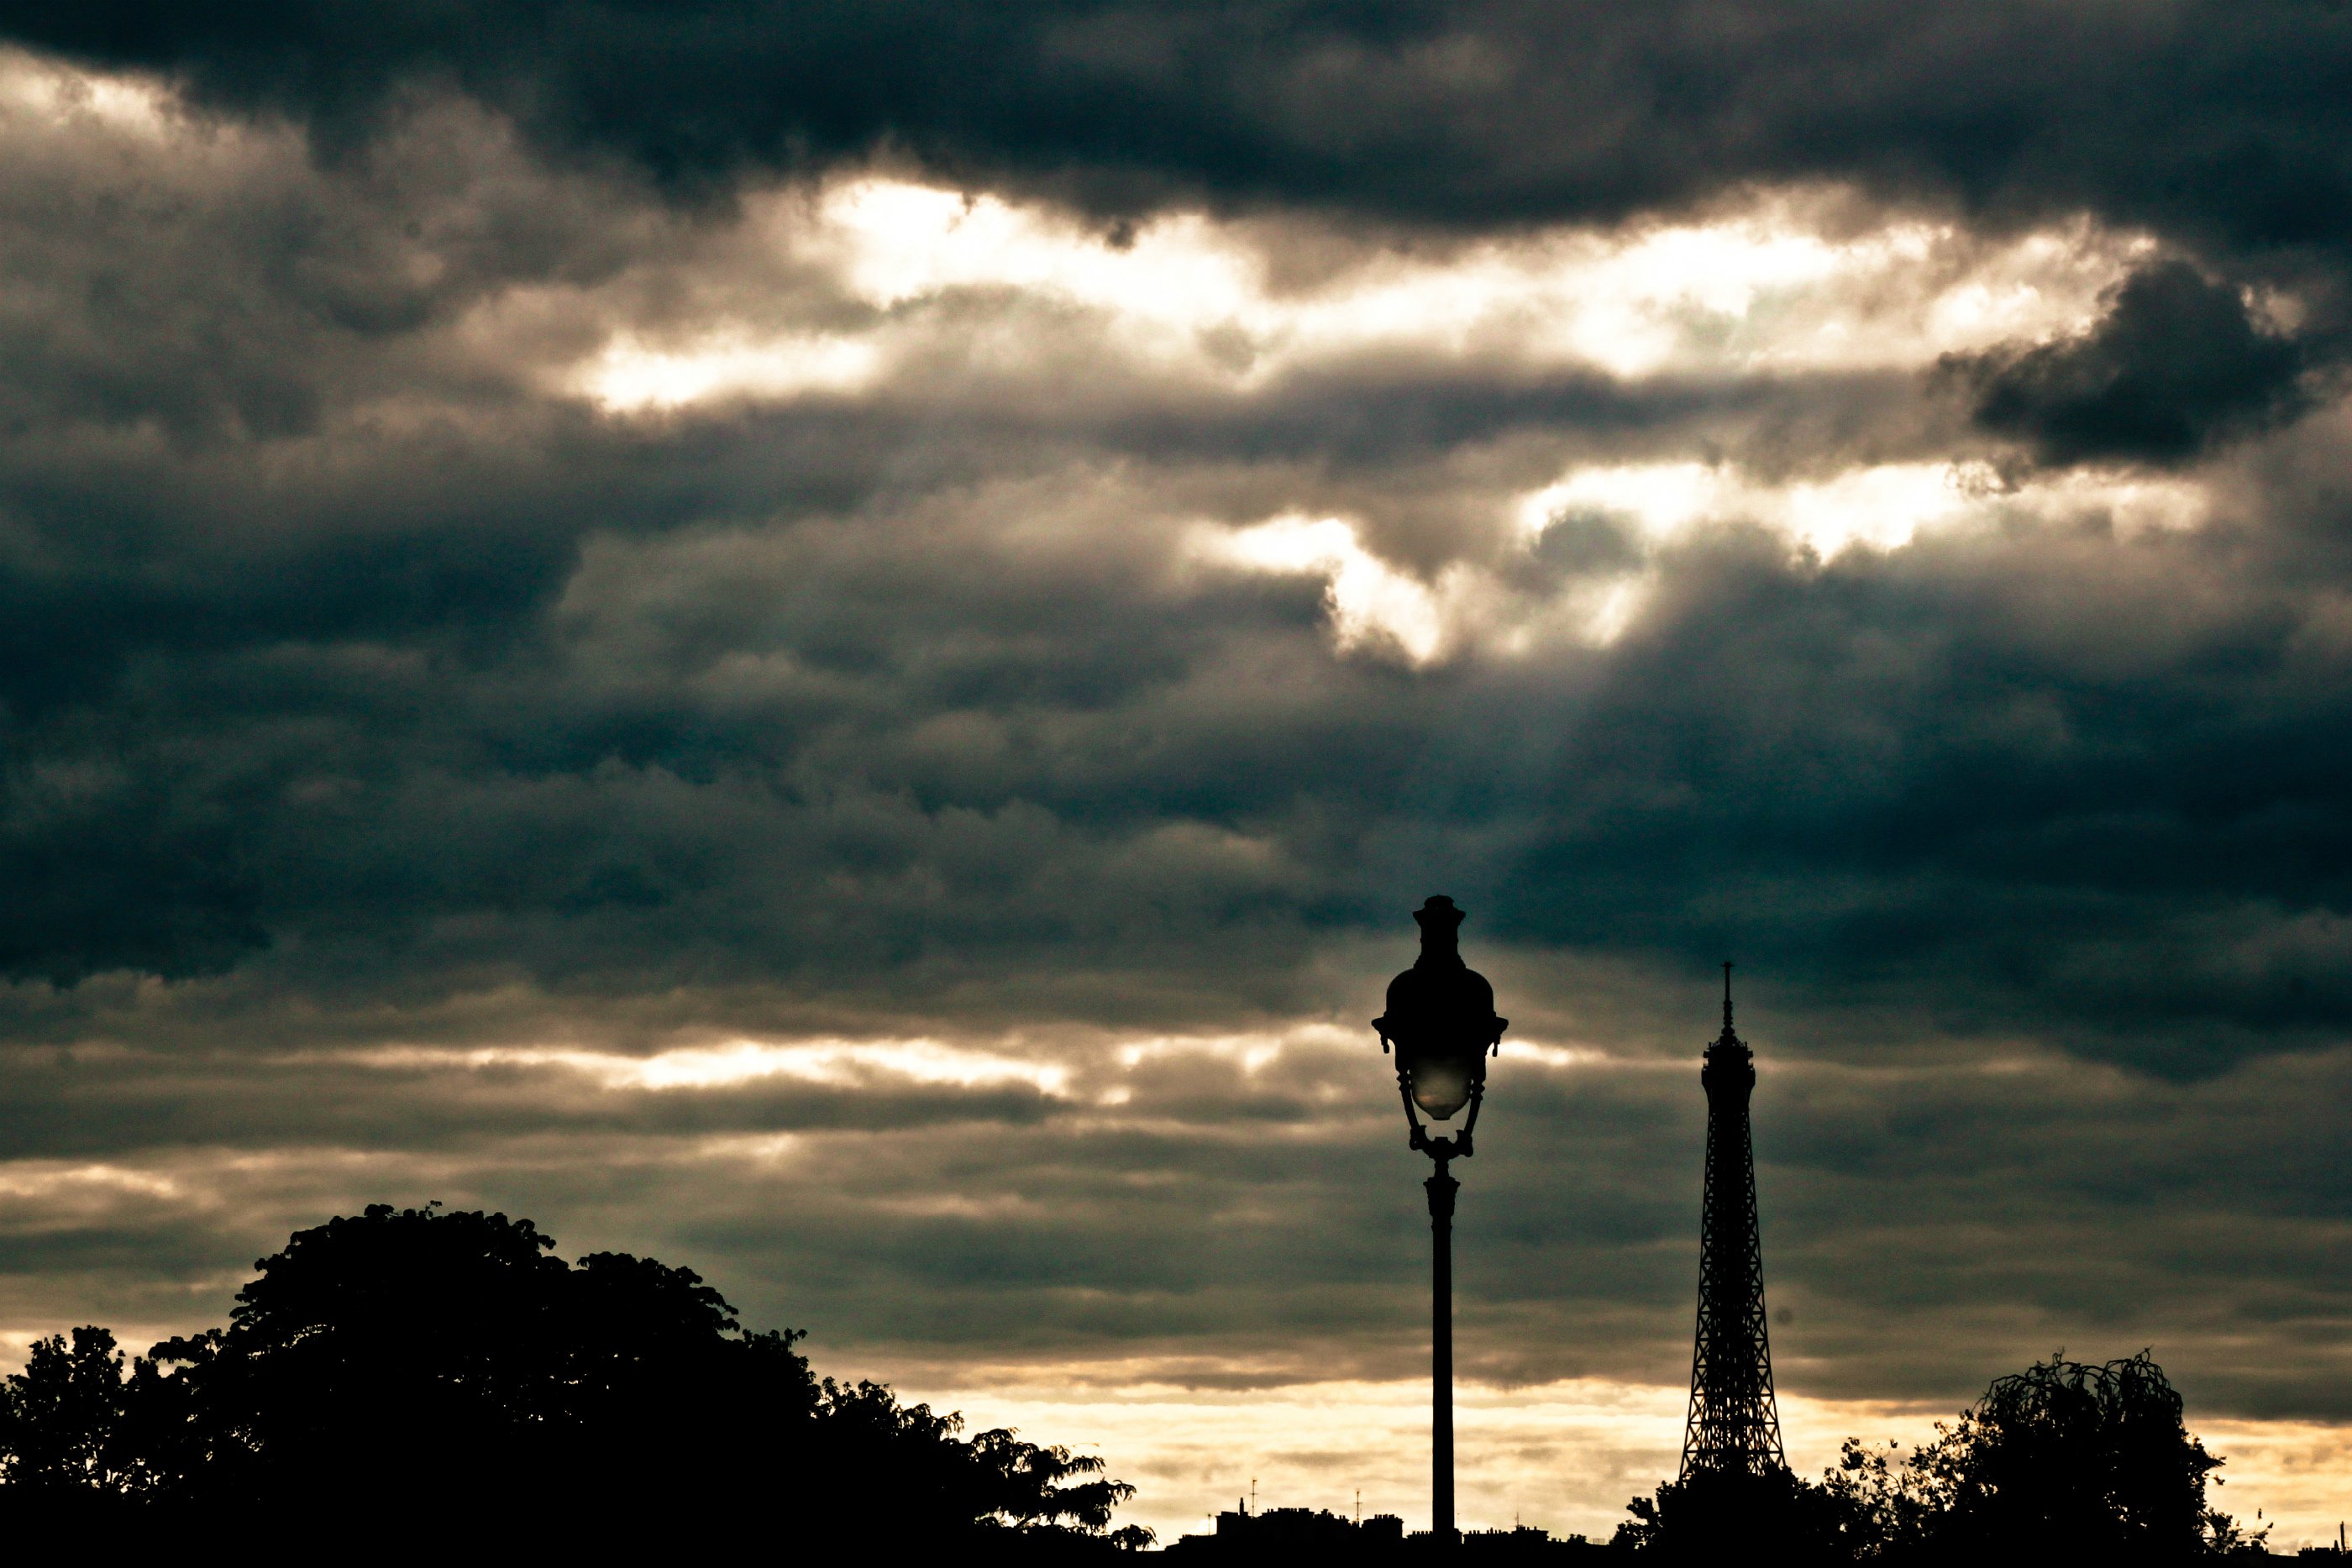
x: 1441, y: 1188
x: 1442, y: 1024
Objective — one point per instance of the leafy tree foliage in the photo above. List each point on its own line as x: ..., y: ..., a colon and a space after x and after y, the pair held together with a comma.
x: 451, y: 1361
x: 2063, y: 1459
x: 2080, y: 1459
x: 62, y: 1418
x: 1719, y: 1516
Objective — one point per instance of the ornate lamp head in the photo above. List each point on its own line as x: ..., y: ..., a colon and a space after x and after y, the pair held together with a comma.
x: 1441, y: 1019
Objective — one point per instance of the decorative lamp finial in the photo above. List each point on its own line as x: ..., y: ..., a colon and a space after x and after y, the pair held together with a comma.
x: 1441, y: 927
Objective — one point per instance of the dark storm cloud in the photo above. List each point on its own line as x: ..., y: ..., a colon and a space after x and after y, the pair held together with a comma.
x: 2223, y: 122
x: 364, y: 680
x: 2220, y: 127
x: 449, y: 668
x: 1756, y: 748
x: 920, y: 704
x: 736, y: 753
x: 2176, y: 364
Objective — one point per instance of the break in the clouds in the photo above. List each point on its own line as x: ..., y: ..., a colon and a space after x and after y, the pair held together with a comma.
x: 833, y: 645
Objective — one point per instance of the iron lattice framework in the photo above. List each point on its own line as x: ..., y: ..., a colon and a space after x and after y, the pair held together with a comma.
x: 1735, y: 1424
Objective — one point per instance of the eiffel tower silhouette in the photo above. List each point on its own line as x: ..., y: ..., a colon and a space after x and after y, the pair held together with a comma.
x: 1735, y: 1424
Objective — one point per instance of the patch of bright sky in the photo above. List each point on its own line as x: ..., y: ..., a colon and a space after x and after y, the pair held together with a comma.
x: 860, y: 1063
x: 1250, y: 1052
x: 1764, y: 286
x: 1370, y: 602
x: 1769, y: 287
x: 101, y: 1184
x: 1563, y: 1455
x: 58, y: 95
x: 1373, y: 603
x: 740, y: 1062
x: 1882, y: 506
x: 1254, y: 1053
x: 1086, y: 1072
x: 632, y: 374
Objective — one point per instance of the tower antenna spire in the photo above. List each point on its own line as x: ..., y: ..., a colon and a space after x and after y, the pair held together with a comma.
x: 1727, y: 996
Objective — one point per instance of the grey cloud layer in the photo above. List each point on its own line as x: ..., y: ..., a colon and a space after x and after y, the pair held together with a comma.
x: 2219, y: 126
x: 2225, y: 122
x: 373, y: 691
x: 1224, y: 1228
x: 922, y: 704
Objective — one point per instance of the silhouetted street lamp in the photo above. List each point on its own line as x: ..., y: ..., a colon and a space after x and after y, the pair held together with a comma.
x: 1441, y: 1020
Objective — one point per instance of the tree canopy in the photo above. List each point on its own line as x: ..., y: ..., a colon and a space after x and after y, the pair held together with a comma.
x: 423, y: 1369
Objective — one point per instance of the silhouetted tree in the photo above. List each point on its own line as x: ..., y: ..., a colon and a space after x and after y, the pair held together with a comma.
x: 62, y: 1418
x: 2065, y: 1458
x: 881, y: 1458
x: 1887, y: 1505
x: 409, y: 1371
x: 1720, y: 1515
x: 379, y: 1344
x: 85, y: 1436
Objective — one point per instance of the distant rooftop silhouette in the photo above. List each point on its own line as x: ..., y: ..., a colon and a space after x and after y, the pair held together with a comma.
x: 1289, y: 1534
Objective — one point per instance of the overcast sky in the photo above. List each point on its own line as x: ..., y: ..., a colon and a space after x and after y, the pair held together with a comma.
x: 833, y: 641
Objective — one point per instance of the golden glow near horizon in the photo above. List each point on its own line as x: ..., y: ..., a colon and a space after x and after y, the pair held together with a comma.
x: 1190, y: 1432
x: 1191, y: 1451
